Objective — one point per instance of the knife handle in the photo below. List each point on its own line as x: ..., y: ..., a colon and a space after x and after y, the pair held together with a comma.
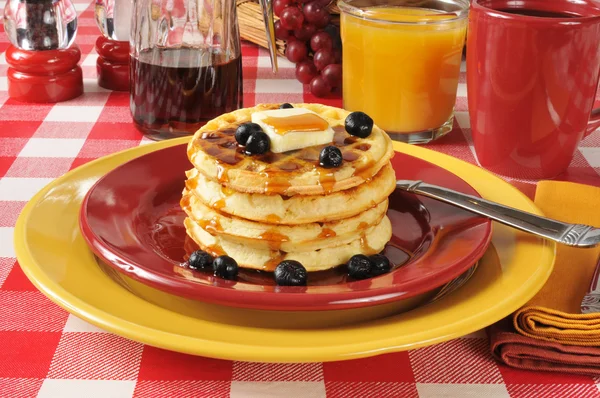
x: 591, y: 301
x: 578, y: 235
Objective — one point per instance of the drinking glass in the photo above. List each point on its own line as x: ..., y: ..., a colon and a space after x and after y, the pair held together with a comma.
x: 401, y: 63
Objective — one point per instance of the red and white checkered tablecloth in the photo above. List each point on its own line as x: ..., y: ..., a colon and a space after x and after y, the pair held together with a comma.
x: 46, y: 352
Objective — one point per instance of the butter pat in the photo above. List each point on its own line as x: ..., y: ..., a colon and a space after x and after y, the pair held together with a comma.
x: 293, y: 128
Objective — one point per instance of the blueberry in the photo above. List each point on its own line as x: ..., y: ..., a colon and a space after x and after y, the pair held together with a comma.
x: 285, y: 106
x: 199, y: 259
x: 359, y: 124
x: 359, y: 267
x: 380, y: 264
x: 290, y: 273
x: 330, y: 156
x: 257, y: 143
x: 242, y: 133
x: 225, y: 267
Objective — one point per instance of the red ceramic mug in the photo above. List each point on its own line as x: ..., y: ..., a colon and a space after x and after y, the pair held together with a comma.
x: 532, y: 75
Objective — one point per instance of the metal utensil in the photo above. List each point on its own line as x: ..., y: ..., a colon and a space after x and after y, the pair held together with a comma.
x: 577, y: 235
x: 266, y: 7
x: 591, y: 301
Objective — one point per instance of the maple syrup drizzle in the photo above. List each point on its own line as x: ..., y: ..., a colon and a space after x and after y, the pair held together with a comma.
x: 219, y: 204
x: 397, y: 254
x: 228, y: 144
x: 275, y: 168
x: 273, y: 219
x: 326, y: 180
x: 366, y: 171
x: 212, y: 226
x: 365, y: 245
x: 274, y: 239
x: 327, y: 233
x: 211, y: 136
x: 308, y: 122
x: 342, y: 139
x: 222, y: 174
x: 185, y: 202
x: 398, y: 251
x: 274, y: 261
x: 227, y: 191
x: 223, y: 155
x: 191, y: 184
x: 215, y: 250
x: 275, y: 181
x: 271, y: 157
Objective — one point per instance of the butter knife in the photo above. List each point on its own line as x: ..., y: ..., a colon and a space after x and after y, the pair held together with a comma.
x: 591, y: 301
x: 577, y: 235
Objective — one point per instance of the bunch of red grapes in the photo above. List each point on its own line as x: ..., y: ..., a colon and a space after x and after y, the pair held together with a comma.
x: 313, y: 44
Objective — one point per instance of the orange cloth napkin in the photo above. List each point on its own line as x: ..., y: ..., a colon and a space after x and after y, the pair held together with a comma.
x: 554, y: 314
x: 550, y: 325
x: 522, y: 352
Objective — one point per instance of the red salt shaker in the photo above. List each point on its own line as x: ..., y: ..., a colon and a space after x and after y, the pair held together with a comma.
x: 113, y: 18
x: 42, y: 57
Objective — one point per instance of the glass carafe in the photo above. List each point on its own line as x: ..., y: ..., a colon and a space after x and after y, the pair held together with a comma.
x: 186, y: 65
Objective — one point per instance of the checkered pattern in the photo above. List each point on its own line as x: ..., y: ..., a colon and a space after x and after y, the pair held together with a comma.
x: 46, y: 352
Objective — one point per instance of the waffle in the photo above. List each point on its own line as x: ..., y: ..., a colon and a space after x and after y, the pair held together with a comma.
x: 370, y: 241
x: 214, y: 152
x: 264, y: 209
x: 297, y: 209
x: 304, y: 237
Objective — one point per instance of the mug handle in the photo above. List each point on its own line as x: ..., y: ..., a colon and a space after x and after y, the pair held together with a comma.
x: 593, y: 123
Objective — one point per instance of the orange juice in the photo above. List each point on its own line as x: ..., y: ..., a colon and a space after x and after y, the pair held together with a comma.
x: 401, y: 66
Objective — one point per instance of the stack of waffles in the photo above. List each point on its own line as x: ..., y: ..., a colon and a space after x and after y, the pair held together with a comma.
x: 263, y: 209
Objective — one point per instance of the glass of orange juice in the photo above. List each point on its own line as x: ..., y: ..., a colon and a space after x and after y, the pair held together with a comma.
x: 401, y: 63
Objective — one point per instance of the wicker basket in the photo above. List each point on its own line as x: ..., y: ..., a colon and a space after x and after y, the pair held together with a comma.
x: 252, y: 27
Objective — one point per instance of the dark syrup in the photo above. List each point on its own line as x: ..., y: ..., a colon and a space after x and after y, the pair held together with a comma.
x: 222, y: 146
x: 168, y: 237
x: 176, y: 91
x: 537, y: 13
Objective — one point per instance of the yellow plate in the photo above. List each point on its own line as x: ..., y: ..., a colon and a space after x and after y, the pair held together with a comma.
x: 53, y: 254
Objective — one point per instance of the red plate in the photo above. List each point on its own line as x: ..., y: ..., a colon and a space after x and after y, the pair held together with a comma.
x: 131, y: 219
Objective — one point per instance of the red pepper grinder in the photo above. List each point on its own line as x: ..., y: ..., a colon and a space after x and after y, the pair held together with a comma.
x: 42, y: 58
x: 114, y: 19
